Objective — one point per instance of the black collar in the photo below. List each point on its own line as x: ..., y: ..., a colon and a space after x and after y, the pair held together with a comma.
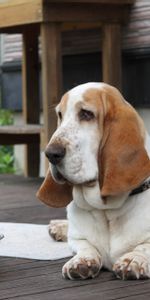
x: 143, y: 187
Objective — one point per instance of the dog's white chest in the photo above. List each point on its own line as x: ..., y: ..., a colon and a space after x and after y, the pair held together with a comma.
x: 116, y: 231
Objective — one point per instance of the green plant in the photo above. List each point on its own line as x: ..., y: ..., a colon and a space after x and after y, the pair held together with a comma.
x: 6, y: 152
x: 6, y: 117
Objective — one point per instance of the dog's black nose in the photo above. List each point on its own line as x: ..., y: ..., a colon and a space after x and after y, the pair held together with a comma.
x: 55, y: 153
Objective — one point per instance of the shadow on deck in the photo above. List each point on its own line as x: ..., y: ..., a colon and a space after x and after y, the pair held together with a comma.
x: 24, y: 279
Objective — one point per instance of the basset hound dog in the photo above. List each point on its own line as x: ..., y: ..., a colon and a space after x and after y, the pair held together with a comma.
x: 100, y: 169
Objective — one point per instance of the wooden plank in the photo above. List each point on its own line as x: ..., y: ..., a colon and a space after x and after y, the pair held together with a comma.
x: 120, y: 2
x: 32, y: 213
x: 30, y: 70
x: 17, y: 12
x: 51, y: 75
x: 21, y: 129
x: 80, y: 26
x: 93, y: 292
x: 79, y: 12
x: 31, y: 102
x: 48, y: 282
x: 32, y: 159
x: 52, y: 283
x: 111, y: 54
x: 13, y: 135
x: 31, y: 140
x: 12, y: 3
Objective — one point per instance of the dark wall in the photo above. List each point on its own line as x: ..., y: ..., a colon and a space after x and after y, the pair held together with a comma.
x: 136, y: 79
x: 83, y: 68
x: 11, y: 86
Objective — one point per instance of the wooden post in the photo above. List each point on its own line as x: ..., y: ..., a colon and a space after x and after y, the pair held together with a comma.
x: 111, y: 54
x: 31, y: 103
x: 51, y: 75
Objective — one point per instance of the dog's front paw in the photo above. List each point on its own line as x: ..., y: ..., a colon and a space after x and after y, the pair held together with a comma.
x: 132, y: 266
x: 58, y: 229
x: 82, y: 267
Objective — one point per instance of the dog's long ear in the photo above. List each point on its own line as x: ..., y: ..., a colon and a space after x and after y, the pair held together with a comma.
x: 124, y: 163
x: 54, y: 194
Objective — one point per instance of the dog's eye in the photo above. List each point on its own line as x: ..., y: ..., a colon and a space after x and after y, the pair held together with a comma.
x: 60, y: 115
x: 86, y: 115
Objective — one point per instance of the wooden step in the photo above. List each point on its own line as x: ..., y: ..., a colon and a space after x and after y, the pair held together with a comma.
x: 20, y: 134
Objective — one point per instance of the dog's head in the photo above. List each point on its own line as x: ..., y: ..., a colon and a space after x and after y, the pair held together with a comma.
x: 99, y: 137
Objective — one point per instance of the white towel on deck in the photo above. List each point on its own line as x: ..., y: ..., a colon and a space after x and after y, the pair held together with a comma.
x: 31, y: 241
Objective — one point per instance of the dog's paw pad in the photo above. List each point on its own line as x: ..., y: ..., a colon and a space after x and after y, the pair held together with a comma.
x: 81, y: 268
x: 132, y: 266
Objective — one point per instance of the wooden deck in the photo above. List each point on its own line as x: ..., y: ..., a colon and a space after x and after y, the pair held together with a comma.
x: 24, y: 279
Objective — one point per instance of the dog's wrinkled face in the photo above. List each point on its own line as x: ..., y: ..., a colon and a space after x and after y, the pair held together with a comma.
x: 99, y: 141
x: 73, y: 148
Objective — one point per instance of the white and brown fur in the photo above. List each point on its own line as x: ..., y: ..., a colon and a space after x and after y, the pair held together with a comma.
x: 106, y: 156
